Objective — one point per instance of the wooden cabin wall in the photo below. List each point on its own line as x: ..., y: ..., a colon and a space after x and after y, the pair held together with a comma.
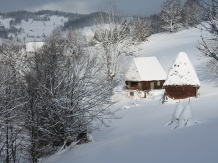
x: 145, y: 85
x: 180, y: 92
x: 132, y: 87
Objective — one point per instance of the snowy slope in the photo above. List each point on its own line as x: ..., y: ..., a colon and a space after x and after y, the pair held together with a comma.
x: 142, y: 135
x: 35, y: 30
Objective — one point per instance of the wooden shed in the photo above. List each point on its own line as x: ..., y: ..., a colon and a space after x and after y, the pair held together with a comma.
x: 144, y: 74
x: 182, y: 81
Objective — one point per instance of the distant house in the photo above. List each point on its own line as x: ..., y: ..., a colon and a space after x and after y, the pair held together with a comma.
x: 32, y: 47
x: 182, y: 81
x: 144, y: 74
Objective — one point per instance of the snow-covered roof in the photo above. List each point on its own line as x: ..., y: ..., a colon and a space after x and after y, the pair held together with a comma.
x: 182, y: 72
x: 33, y: 46
x: 145, y: 69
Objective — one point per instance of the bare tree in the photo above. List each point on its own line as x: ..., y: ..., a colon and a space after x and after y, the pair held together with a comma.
x: 209, y: 37
x: 171, y: 15
x: 75, y: 42
x: 11, y: 102
x: 155, y: 23
x: 112, y: 34
x: 192, y: 13
x: 66, y: 91
x: 141, y: 29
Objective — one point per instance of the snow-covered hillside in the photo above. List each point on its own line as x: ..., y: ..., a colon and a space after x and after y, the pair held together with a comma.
x: 142, y: 135
x: 34, y: 30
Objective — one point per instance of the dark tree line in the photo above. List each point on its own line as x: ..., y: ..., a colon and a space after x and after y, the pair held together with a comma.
x: 25, y: 15
x: 81, y: 22
x: 5, y: 32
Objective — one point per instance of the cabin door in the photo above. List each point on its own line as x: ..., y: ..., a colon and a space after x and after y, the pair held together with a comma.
x: 151, y: 85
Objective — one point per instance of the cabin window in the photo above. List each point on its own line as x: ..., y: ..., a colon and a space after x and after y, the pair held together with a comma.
x: 158, y: 83
x: 131, y: 93
x: 139, y: 85
x: 129, y: 84
x: 151, y: 85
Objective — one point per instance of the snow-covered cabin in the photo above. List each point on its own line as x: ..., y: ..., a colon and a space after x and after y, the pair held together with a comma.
x: 144, y: 74
x: 32, y: 47
x: 182, y: 81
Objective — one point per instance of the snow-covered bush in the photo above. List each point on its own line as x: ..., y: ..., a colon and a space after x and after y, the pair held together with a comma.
x: 176, y: 114
x: 114, y: 40
x: 186, y: 117
x: 90, y: 137
x: 182, y: 117
x: 141, y: 29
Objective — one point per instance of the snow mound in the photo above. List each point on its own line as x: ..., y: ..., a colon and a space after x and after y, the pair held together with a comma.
x: 176, y: 114
x: 90, y: 138
x: 182, y: 72
x: 186, y: 117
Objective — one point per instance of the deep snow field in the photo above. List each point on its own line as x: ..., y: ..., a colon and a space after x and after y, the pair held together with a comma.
x: 141, y: 135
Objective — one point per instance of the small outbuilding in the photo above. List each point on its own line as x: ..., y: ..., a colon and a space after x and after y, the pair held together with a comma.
x: 32, y: 47
x: 144, y: 74
x: 182, y: 81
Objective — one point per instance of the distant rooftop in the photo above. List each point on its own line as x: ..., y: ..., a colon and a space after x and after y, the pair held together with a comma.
x: 33, y: 46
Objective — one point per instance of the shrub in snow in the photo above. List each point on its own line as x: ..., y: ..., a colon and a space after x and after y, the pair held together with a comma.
x: 89, y: 138
x: 186, y: 117
x: 84, y: 137
x: 176, y: 114
x: 69, y: 141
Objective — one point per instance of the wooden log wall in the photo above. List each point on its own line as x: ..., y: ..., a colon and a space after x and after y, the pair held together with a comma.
x: 145, y: 85
x: 180, y: 92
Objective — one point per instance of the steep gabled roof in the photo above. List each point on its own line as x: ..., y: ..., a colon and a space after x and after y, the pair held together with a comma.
x: 145, y: 69
x: 182, y: 72
x: 33, y: 46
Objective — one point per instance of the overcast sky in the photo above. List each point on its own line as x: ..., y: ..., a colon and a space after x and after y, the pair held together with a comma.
x: 130, y: 7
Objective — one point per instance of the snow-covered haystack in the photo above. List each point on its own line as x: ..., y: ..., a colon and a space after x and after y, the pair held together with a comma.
x: 186, y: 118
x: 182, y: 72
x: 182, y: 81
x: 176, y: 114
